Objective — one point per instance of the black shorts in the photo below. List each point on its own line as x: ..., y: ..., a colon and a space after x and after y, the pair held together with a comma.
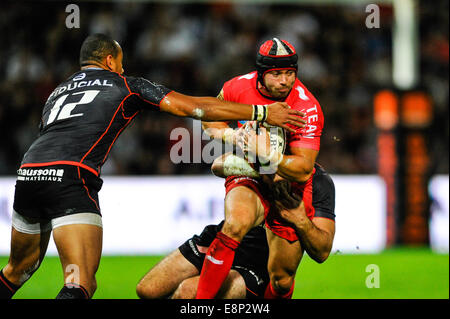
x: 55, y: 191
x: 256, y: 278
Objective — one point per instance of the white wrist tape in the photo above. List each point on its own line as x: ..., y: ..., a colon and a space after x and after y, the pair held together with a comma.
x: 260, y: 113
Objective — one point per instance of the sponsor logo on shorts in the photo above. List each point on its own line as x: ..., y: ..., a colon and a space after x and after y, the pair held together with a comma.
x: 259, y: 280
x: 39, y: 174
x: 194, y: 248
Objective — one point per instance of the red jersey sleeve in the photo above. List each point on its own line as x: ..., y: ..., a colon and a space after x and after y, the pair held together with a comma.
x: 227, y: 92
x: 309, y: 136
x: 241, y: 89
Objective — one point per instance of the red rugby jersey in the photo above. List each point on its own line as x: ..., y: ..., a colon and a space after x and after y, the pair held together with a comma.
x: 243, y: 89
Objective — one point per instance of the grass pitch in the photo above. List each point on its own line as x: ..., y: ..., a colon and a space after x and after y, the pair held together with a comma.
x: 402, y: 273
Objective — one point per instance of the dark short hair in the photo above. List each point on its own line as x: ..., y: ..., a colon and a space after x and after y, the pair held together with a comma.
x: 96, y: 47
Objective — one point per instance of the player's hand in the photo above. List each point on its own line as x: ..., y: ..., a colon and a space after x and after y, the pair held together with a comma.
x: 280, y: 114
x: 239, y: 133
x: 295, y: 216
x: 229, y: 135
x: 256, y: 144
x: 289, y: 204
x: 283, y: 196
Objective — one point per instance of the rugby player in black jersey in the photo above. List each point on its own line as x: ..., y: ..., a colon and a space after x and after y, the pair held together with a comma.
x: 59, y: 177
x: 177, y: 275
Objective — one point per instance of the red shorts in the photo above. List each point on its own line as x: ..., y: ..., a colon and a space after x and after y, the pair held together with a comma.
x: 272, y: 219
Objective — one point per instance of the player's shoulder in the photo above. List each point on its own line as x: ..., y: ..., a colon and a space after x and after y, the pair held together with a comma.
x: 92, y: 73
x: 241, y: 83
x: 322, y: 177
x: 89, y: 79
x: 97, y: 77
x: 301, y: 94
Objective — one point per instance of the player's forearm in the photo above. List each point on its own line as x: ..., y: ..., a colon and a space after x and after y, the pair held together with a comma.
x: 208, y: 108
x: 316, y: 242
x: 295, y: 168
x: 213, y: 109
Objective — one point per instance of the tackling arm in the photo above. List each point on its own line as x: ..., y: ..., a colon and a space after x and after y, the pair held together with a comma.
x: 213, y: 109
x: 316, y: 236
x: 210, y: 108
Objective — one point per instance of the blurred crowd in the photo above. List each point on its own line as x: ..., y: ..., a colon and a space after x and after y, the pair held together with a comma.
x: 195, y: 48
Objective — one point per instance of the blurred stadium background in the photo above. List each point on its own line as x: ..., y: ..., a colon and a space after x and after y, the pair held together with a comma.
x: 385, y: 96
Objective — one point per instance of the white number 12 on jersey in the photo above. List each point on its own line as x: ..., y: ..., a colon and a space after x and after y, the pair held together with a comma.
x: 88, y: 97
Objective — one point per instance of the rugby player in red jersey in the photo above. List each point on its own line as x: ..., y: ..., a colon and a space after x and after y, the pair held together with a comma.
x: 59, y: 177
x: 246, y: 201
x: 177, y: 275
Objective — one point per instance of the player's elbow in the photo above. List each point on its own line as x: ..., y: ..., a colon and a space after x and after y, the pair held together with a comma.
x: 321, y: 257
x: 297, y: 170
x: 301, y: 176
x: 217, y: 167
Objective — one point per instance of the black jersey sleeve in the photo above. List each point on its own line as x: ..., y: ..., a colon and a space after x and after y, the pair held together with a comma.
x: 149, y: 92
x: 323, y: 195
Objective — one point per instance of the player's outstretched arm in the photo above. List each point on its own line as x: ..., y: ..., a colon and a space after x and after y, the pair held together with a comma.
x: 213, y: 109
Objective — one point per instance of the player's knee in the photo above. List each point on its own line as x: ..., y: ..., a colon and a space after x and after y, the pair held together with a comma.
x: 235, y: 230
x: 186, y: 290
x: 282, y: 282
x: 217, y: 168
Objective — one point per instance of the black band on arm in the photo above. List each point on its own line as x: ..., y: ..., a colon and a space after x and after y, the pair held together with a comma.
x: 255, y: 112
x: 260, y: 112
x: 150, y: 92
x: 266, y: 113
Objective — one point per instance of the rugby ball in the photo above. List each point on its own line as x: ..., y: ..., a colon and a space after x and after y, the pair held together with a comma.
x: 249, y: 165
x: 277, y: 134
